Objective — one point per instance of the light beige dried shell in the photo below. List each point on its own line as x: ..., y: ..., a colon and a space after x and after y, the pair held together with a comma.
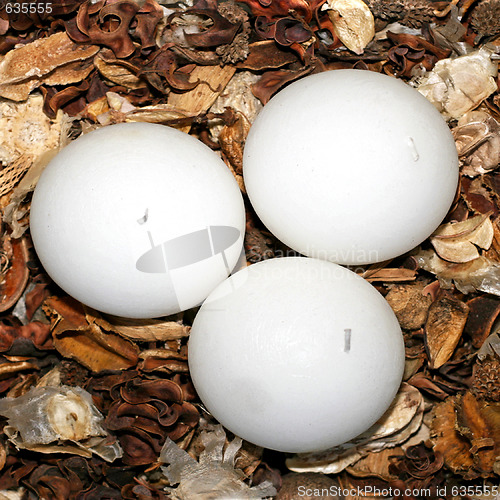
x: 456, y: 86
x: 402, y: 419
x: 353, y: 23
x: 458, y: 241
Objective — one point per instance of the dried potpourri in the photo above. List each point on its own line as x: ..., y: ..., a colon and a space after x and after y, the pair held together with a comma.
x: 207, y: 67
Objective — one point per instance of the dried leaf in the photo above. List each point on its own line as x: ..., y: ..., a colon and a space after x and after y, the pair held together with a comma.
x: 483, y: 311
x: 458, y: 241
x: 479, y: 422
x: 116, y: 38
x: 352, y: 21
x: 376, y: 464
x: 232, y: 140
x: 32, y: 64
x: 447, y: 440
x: 222, y: 31
x: 266, y: 54
x: 410, y: 304
x: 456, y: 86
x: 477, y: 137
x: 390, y: 274
x: 478, y: 199
x: 238, y: 96
x: 271, y: 81
x: 147, y: 330
x: 444, y: 327
x: 77, y: 338
x: 112, y: 69
x: 307, y: 481
x: 212, y: 81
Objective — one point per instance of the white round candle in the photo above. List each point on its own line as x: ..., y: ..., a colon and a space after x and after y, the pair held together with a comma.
x: 137, y: 220
x: 350, y: 166
x: 296, y: 354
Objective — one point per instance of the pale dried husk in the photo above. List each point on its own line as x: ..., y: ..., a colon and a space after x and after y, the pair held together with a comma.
x: 25, y: 130
x: 401, y: 420
x: 57, y: 420
x: 352, y: 22
x: 456, y: 86
x: 214, y: 476
x: 238, y: 96
x: 477, y: 137
x: 481, y: 274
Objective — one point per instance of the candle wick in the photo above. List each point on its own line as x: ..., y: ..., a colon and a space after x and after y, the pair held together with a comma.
x: 347, y: 340
x: 144, y: 218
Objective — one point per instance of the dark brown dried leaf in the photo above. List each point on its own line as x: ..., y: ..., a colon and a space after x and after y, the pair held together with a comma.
x: 271, y: 81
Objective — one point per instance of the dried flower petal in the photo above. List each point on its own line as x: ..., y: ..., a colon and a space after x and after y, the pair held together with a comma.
x: 352, y: 22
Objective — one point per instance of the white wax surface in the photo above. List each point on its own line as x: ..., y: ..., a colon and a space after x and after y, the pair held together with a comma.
x: 350, y: 166
x: 137, y: 220
x: 296, y: 354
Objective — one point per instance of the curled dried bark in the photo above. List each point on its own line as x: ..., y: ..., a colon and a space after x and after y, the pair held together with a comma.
x: 145, y: 412
x: 222, y: 31
x: 410, y: 50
